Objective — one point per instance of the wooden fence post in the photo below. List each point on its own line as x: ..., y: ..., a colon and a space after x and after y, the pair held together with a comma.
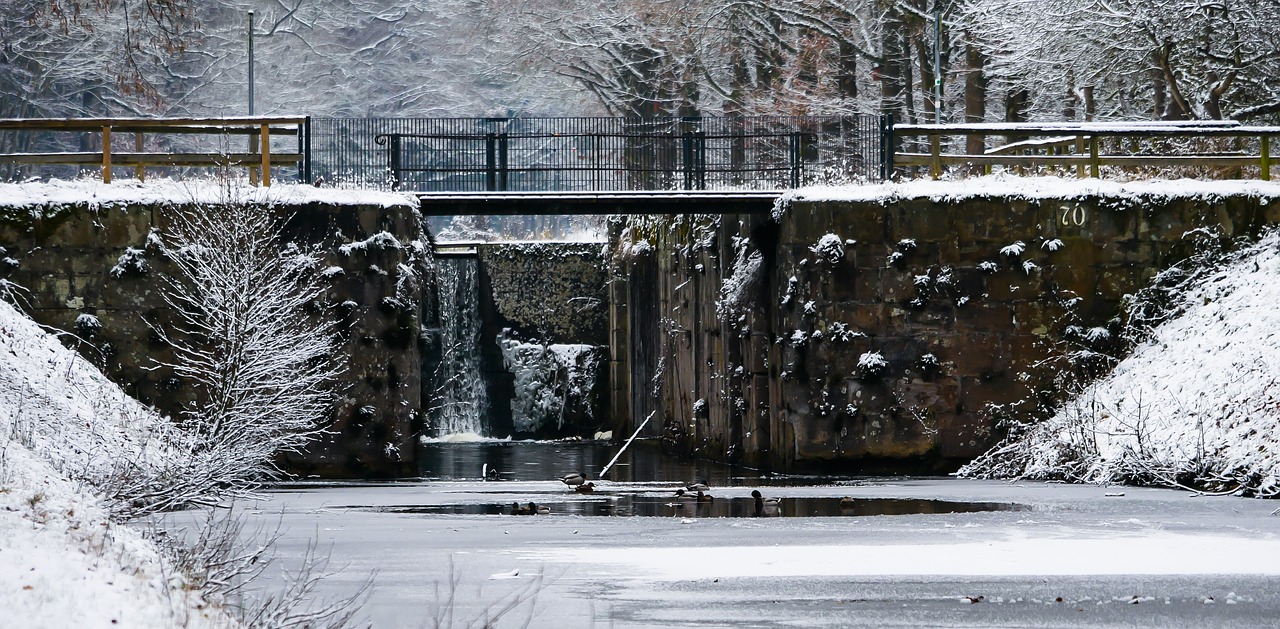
x: 1080, y: 151
x: 935, y: 150
x: 1095, y: 170
x: 266, y: 156
x: 106, y: 154
x: 140, y: 170
x: 1265, y: 160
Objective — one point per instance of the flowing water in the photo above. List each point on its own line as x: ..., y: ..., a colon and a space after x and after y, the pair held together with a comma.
x: 460, y: 397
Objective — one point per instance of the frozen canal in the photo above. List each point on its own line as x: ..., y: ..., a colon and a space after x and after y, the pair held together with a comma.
x: 630, y: 555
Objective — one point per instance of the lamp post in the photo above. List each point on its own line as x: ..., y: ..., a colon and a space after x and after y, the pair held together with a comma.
x: 251, y: 63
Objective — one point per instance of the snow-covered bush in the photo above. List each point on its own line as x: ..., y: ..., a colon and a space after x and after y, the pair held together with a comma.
x: 872, y: 365
x: 741, y: 285
x: 828, y: 249
x: 261, y: 366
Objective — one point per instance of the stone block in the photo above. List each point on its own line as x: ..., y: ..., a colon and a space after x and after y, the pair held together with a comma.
x: 1116, y: 281
x: 924, y: 222
x: 974, y: 354
x: 984, y: 318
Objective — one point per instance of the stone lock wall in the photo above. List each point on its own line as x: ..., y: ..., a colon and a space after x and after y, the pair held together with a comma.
x: 883, y: 335
x: 64, y: 256
x: 546, y: 293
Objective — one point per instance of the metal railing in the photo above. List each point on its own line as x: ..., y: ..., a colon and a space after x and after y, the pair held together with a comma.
x: 596, y: 154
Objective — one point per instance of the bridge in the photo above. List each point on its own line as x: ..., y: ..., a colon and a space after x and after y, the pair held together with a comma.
x: 598, y: 165
x: 597, y: 203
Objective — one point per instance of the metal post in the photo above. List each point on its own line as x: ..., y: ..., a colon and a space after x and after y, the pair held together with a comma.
x: 795, y: 159
x: 393, y: 154
x: 686, y: 151
x: 306, y: 151
x: 251, y: 65
x: 886, y: 147
x: 700, y: 158
x: 490, y: 162
x: 502, y: 162
x: 253, y: 140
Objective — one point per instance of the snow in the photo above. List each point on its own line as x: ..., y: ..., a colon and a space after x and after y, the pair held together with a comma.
x: 1159, y: 553
x: 550, y: 381
x: 380, y: 241
x: 1031, y: 188
x: 1070, y: 541
x: 1199, y: 397
x: 1014, y: 250
x: 33, y: 196
x: 829, y: 248
x: 63, y: 561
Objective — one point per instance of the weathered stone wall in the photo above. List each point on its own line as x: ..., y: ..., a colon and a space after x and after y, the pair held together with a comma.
x: 546, y: 293
x: 883, y: 335
x: 63, y: 255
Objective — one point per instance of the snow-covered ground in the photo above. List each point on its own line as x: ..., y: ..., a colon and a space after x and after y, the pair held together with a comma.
x: 63, y: 561
x: 1197, y: 401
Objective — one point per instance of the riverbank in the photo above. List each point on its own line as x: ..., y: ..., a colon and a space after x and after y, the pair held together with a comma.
x: 64, y: 560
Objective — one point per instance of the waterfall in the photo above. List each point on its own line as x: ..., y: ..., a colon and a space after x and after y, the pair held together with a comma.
x: 461, y: 393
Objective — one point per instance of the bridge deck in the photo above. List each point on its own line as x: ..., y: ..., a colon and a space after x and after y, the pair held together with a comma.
x: 567, y: 203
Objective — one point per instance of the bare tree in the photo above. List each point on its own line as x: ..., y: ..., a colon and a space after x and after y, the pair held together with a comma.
x: 249, y: 336
x: 1134, y: 58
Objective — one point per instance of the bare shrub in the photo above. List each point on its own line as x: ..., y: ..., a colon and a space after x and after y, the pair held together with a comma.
x: 220, y: 559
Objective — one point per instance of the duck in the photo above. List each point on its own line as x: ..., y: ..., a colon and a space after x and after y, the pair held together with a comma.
x: 694, y: 487
x: 766, y: 506
x: 516, y: 509
x: 585, y: 488
x: 573, y: 480
x: 537, y: 509
x: 848, y: 505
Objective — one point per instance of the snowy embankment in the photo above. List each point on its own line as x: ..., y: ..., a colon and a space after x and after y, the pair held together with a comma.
x: 1196, y: 403
x: 65, y: 432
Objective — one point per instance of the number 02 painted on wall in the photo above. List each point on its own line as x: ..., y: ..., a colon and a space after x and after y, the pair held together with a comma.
x: 1073, y: 215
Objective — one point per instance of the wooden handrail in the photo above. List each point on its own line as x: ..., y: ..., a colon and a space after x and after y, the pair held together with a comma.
x: 1080, y: 145
x: 260, y: 126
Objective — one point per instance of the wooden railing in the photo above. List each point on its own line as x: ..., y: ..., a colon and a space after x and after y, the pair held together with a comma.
x: 258, y: 132
x: 1087, y: 147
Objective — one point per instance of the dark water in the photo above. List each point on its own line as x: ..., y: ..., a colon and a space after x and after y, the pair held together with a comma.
x: 664, y: 506
x: 548, y: 460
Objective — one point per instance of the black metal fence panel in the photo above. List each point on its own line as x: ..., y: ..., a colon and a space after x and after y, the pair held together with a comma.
x: 594, y: 154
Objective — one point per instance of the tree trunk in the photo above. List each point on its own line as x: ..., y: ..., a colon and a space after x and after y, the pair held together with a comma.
x: 1015, y: 110
x: 1159, y: 94
x: 1070, y: 100
x: 975, y: 97
x: 894, y: 83
x: 926, y: 76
